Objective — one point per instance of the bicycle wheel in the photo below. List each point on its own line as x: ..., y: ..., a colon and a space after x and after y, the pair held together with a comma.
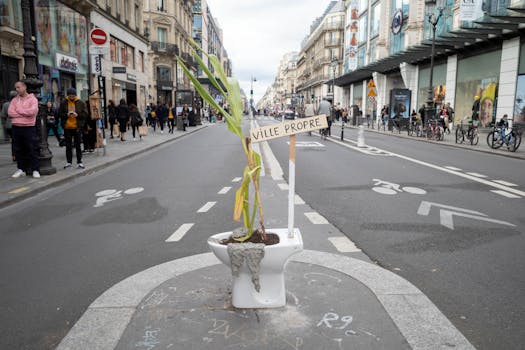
x: 460, y: 138
x: 494, y: 140
x: 410, y: 131
x: 474, y: 137
x: 512, y: 142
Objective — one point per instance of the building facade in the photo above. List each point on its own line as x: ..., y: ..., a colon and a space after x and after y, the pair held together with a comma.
x: 321, y: 56
x: 479, y: 58
x: 169, y: 26
x: 125, y: 66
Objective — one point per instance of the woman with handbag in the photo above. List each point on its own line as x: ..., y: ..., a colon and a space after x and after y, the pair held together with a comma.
x: 136, y: 121
x: 52, y: 122
x: 122, y: 118
x: 112, y: 113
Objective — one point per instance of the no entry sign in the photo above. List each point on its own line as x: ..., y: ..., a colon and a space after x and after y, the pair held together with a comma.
x: 98, y: 36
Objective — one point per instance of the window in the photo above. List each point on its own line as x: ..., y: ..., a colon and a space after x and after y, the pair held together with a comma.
x: 161, y: 5
x: 375, y: 17
x: 363, y: 24
x: 11, y: 14
x: 197, y: 22
x: 397, y: 41
x: 161, y: 37
x: 121, y: 53
x: 363, y: 5
x: 141, y: 61
x: 163, y: 73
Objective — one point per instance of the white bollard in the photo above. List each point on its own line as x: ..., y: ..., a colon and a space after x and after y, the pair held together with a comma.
x: 361, y: 136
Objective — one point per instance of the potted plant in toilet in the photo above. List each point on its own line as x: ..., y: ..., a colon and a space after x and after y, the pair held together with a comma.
x: 256, y: 257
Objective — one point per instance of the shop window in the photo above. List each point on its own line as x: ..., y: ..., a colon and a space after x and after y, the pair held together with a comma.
x: 519, y: 105
x: 358, y: 95
x: 398, y: 16
x: 478, y: 76
x: 439, y: 79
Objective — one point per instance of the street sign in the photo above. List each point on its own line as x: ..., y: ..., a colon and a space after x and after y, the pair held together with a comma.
x: 372, y: 93
x: 371, y: 84
x: 98, y: 37
x: 96, y: 67
x: 119, y: 70
x: 289, y: 128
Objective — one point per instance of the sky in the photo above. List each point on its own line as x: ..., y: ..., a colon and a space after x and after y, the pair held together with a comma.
x: 257, y: 33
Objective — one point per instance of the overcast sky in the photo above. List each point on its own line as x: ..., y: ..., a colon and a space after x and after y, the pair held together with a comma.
x: 257, y: 33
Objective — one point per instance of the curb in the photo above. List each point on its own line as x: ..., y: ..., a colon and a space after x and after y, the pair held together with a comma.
x: 90, y: 171
x: 454, y: 145
x: 418, y: 319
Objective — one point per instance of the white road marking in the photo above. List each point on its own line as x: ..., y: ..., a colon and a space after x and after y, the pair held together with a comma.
x: 134, y: 190
x: 504, y: 183
x: 453, y: 168
x: 477, y: 174
x: 316, y: 218
x: 181, y: 231
x: 437, y: 167
x: 283, y: 187
x: 505, y: 194
x: 206, y: 207
x: 298, y: 200
x: 224, y: 190
x: 237, y: 179
x: 343, y: 244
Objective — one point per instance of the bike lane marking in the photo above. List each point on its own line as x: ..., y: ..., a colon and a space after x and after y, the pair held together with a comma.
x: 477, y: 174
x: 206, y: 207
x: 504, y: 194
x: 438, y: 167
x: 343, y: 244
x: 180, y: 232
x: 505, y: 183
x: 316, y: 218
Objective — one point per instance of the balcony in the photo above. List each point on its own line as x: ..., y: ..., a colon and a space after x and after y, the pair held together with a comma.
x: 164, y: 48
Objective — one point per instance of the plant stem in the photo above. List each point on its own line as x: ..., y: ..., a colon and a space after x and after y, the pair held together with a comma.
x: 249, y: 156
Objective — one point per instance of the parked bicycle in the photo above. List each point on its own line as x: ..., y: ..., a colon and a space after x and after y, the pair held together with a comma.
x: 434, y: 131
x: 503, y: 135
x: 471, y: 133
x: 415, y: 128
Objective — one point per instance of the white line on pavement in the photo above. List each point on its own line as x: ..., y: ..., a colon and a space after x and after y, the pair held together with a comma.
x: 477, y: 174
x: 437, y: 167
x: 504, y: 183
x: 505, y: 194
x: 237, y: 179
x: 344, y: 244
x: 181, y: 231
x: 283, y: 187
x: 206, y: 207
x: 224, y: 190
x: 453, y: 168
x: 298, y: 200
x: 316, y: 218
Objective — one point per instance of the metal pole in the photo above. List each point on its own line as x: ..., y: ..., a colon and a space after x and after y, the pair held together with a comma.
x: 291, y: 187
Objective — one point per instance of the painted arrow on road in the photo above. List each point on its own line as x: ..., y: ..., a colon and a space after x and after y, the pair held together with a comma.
x: 447, y: 212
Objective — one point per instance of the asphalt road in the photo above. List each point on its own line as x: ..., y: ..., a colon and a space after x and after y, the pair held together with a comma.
x: 59, y: 252
x: 473, y: 271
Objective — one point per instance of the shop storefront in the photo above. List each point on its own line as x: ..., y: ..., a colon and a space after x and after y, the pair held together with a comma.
x: 439, y: 79
x: 478, y: 77
x: 519, y: 104
x: 62, y: 50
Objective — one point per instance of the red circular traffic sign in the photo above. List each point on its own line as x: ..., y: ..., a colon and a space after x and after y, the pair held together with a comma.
x: 98, y: 36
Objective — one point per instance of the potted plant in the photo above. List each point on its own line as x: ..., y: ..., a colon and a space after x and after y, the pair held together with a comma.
x: 256, y: 258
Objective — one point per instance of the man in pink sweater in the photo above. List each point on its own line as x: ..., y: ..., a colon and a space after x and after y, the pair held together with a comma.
x: 23, y: 110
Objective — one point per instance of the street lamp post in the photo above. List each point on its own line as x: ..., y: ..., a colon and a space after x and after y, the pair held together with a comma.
x: 252, y: 79
x: 433, y: 20
x: 33, y: 86
x: 333, y: 67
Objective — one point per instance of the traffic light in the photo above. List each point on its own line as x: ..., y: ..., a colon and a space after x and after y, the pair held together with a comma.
x: 313, y: 97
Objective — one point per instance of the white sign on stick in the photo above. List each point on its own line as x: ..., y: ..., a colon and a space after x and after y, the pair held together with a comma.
x: 288, y: 128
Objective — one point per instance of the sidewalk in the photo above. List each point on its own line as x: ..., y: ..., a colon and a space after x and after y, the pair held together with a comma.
x: 450, y: 140
x: 13, y: 190
x: 334, y: 301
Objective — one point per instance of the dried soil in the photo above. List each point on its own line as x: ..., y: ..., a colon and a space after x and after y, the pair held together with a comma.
x: 271, y: 239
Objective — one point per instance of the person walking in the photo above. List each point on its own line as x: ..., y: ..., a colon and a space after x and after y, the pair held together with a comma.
x: 185, y: 115
x: 112, y: 113
x: 73, y: 115
x: 171, y: 118
x: 122, y: 118
x: 52, y: 122
x: 136, y: 121
x: 89, y: 137
x: 23, y: 110
x: 162, y: 115
x: 326, y: 108
x: 7, y: 122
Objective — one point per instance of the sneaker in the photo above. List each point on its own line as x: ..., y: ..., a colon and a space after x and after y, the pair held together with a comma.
x: 162, y: 132
x: 68, y: 165
x: 18, y: 173
x: 80, y: 166
x: 36, y: 174
x: 134, y: 139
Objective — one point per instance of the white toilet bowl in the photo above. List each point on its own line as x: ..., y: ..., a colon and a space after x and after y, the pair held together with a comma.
x: 272, y: 292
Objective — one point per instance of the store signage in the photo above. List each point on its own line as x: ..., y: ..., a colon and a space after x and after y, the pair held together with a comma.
x: 66, y: 63
x: 119, y: 70
x: 96, y: 67
x: 166, y: 88
x: 352, y: 32
x: 470, y: 10
x: 293, y: 127
x: 132, y: 77
x: 397, y: 22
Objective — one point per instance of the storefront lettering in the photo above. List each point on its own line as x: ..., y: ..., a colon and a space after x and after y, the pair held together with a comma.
x: 64, y: 62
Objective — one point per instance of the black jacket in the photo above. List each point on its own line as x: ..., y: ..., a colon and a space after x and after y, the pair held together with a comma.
x: 122, y: 112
